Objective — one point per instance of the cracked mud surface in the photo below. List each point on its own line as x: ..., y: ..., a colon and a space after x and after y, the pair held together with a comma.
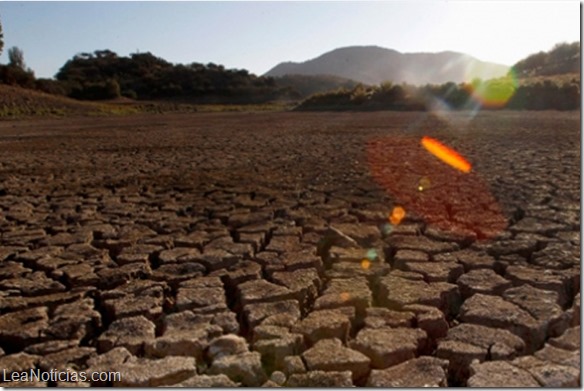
x: 254, y: 249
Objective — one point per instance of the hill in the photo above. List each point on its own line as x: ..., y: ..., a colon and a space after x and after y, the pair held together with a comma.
x: 21, y: 102
x: 562, y: 59
x: 104, y: 75
x: 18, y: 102
x: 374, y: 65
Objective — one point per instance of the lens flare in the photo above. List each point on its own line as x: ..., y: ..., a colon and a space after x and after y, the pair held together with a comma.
x: 452, y: 201
x: 458, y: 119
x: 494, y: 93
x: 386, y: 229
x: 371, y: 254
x: 424, y: 183
x: 397, y: 215
x: 365, y: 264
x: 345, y: 296
x: 446, y: 154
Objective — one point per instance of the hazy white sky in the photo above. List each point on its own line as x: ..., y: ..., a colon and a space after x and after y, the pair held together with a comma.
x: 258, y: 35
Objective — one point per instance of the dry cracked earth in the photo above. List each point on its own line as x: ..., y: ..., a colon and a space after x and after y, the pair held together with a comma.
x: 222, y: 250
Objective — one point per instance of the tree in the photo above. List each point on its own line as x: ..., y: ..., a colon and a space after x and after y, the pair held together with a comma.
x: 16, y: 57
x: 1, y: 39
x: 112, y: 89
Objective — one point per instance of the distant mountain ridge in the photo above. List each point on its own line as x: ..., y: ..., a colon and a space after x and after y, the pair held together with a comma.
x: 374, y: 65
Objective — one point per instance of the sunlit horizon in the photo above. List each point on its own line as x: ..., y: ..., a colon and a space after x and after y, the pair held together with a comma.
x: 259, y: 35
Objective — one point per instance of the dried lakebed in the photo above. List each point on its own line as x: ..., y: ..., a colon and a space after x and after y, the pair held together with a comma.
x: 254, y: 249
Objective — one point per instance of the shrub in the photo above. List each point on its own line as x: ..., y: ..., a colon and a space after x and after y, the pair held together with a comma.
x: 130, y: 94
x: 96, y: 91
x: 16, y: 76
x: 50, y: 86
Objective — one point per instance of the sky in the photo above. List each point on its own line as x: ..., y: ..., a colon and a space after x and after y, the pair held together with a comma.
x: 258, y: 35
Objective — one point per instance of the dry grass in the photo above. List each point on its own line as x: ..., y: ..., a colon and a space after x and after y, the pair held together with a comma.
x: 18, y: 103
x: 556, y: 79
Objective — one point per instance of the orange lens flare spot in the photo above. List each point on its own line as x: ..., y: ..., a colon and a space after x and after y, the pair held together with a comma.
x: 446, y: 154
x: 365, y: 264
x: 345, y: 296
x: 397, y: 215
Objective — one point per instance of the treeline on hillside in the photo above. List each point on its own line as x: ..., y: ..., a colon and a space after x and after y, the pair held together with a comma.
x: 491, y: 94
x: 306, y: 85
x: 105, y: 75
x: 561, y: 59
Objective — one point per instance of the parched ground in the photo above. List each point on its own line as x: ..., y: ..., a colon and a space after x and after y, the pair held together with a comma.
x: 256, y: 249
